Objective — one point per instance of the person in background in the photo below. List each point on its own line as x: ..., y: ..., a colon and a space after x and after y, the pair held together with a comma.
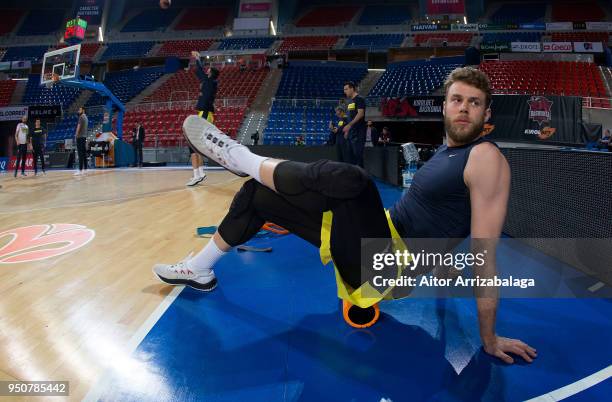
x: 139, y: 135
x: 37, y: 141
x: 21, y: 139
x: 371, y: 135
x: 342, y: 151
x: 81, y: 141
x: 255, y: 137
x: 385, y: 137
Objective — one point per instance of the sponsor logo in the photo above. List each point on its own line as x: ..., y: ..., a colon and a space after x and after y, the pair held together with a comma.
x: 486, y: 130
x: 540, y: 109
x: 40, y: 242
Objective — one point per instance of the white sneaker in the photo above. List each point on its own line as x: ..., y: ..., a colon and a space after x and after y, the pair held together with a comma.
x: 182, y: 274
x: 77, y: 173
x: 195, y: 181
x: 209, y: 141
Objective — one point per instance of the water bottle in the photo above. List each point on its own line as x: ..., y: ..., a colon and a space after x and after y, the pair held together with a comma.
x: 408, y: 174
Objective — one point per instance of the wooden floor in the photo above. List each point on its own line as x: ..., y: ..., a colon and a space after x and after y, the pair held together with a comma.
x: 70, y: 317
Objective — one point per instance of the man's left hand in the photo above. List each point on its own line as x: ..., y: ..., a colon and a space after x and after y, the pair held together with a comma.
x: 500, y: 347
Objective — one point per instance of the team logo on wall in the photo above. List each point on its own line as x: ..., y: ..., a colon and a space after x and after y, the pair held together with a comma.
x: 540, y: 111
x: 40, y: 242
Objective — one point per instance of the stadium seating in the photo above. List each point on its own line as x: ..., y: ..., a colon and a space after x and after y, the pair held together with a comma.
x: 9, y: 18
x: 318, y: 80
x: 580, y: 37
x: 32, y: 53
x: 153, y: 19
x: 6, y: 91
x: 88, y: 50
x: 233, y: 83
x: 202, y: 18
x: 512, y: 37
x: 518, y: 13
x: 414, y: 78
x: 126, y: 84
x: 183, y: 48
x: 42, y: 22
x: 374, y: 41
x: 289, y: 118
x: 328, y: 16
x: 165, y: 126
x: 577, y: 11
x: 458, y: 39
x: 387, y: 15
x: 307, y: 43
x: 126, y: 50
x: 66, y: 128
x: 35, y: 94
x: 545, y: 77
x: 245, y: 43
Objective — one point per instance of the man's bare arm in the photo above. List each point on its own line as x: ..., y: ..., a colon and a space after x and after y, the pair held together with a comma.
x: 487, y: 175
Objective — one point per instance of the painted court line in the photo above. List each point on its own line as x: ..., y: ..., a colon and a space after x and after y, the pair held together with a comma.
x: 576, y: 387
x: 103, y: 382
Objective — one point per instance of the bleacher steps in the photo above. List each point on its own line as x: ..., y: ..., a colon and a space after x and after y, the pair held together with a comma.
x: 148, y: 91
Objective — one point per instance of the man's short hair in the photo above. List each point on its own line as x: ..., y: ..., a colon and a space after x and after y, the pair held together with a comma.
x: 82, y: 107
x: 472, y: 77
x: 350, y: 84
x: 339, y: 109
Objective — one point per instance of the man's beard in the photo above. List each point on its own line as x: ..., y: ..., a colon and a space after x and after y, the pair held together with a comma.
x: 463, y: 135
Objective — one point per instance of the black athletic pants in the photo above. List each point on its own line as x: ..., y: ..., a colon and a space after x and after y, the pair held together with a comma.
x: 22, y: 154
x: 305, y: 191
x: 82, y: 150
x: 38, y: 154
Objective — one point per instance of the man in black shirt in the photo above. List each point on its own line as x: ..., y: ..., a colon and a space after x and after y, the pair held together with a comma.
x: 37, y: 141
x: 205, y: 108
x: 355, y: 130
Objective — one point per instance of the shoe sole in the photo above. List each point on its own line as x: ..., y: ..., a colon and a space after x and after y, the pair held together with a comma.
x: 203, y: 287
x: 195, y: 125
x: 197, y: 182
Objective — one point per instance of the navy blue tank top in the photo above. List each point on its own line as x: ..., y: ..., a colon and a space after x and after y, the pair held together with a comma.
x: 438, y: 201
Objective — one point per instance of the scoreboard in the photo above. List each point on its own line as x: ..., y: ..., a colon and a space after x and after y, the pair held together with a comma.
x: 75, y: 31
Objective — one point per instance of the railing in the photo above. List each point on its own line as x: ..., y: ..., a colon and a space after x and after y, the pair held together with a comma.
x: 240, y: 102
x: 597, y: 103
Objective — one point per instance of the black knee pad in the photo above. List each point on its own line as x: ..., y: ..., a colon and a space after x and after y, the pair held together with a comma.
x: 243, y: 199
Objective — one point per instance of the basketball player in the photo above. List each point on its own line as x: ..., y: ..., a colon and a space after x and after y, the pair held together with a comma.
x: 462, y: 190
x: 21, y: 139
x: 206, y: 109
x: 355, y: 130
x: 38, y: 139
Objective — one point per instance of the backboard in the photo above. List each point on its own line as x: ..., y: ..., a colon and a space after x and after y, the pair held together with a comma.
x: 63, y: 62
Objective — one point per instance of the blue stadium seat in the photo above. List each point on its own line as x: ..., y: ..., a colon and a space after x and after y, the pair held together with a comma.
x: 154, y: 19
x: 35, y: 94
x: 126, y: 50
x: 289, y: 118
x: 66, y: 128
x: 517, y: 13
x: 246, y: 43
x: 374, y: 41
x: 385, y: 15
x: 304, y: 80
x: 42, y: 22
x: 512, y: 37
x: 126, y: 84
x: 414, y: 78
x: 32, y: 53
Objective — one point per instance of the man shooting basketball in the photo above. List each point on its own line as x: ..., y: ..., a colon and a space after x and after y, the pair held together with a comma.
x: 462, y: 191
x: 205, y: 108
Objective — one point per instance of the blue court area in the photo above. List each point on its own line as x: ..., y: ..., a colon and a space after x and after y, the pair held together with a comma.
x: 273, y: 331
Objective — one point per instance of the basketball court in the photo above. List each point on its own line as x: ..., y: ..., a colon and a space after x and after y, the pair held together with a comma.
x: 95, y: 315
